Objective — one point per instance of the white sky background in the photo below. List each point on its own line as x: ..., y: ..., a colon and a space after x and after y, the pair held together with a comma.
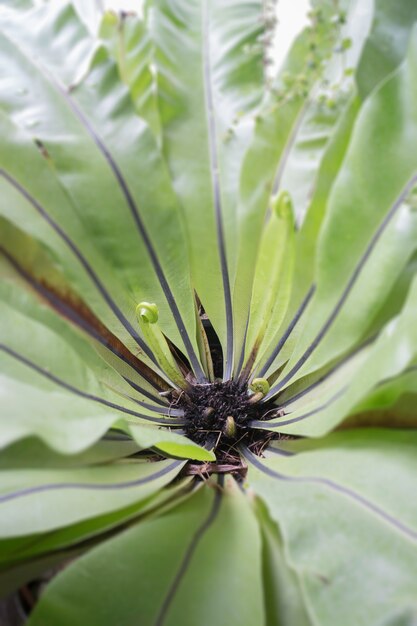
x: 291, y: 19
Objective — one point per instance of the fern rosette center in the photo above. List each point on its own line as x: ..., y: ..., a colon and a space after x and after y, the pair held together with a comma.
x: 208, y: 295
x: 218, y: 416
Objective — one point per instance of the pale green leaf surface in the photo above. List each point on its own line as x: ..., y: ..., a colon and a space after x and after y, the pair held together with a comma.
x: 40, y: 500
x: 401, y: 414
x: 168, y: 442
x: 177, y: 587
x: 65, y: 423
x: 43, y: 299
x: 272, y: 281
x: 395, y: 300
x: 300, y: 139
x: 363, y: 204
x: 315, y: 391
x: 328, y: 99
x: 349, y: 531
x: 81, y: 390
x: 69, y: 424
x: 210, y: 78
x: 307, y: 236
x: 130, y: 44
x: 331, y: 25
x: 284, y: 602
x: 390, y: 26
x: 91, y: 134
x: 390, y: 391
x: 147, y: 176
x: 58, y: 23
x: 393, y: 352
x: 327, y: 172
x: 310, y: 143
x: 24, y: 549
x: 32, y: 453
x: 21, y: 4
x: 387, y: 42
x: 36, y: 352
x: 382, y: 269
x: 274, y: 132
x: 19, y: 211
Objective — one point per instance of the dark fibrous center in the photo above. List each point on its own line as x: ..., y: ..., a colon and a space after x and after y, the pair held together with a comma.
x: 218, y: 416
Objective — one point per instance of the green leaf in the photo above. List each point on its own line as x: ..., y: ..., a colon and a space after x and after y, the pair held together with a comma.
x: 130, y: 44
x: 116, y: 148
x: 400, y: 414
x: 168, y: 442
x: 341, y: 392
x: 387, y: 43
x: 141, y: 164
x: 338, y: 33
x: 363, y: 206
x: 34, y: 286
x: 177, y: 587
x: 49, y: 391
x: 299, y: 142
x: 19, y: 553
x: 60, y: 24
x: 381, y: 271
x: 274, y: 133
x: 286, y: 337
x: 272, y: 279
x: 284, y: 601
x: 349, y: 531
x: 395, y: 300
x: 81, y: 385
x: 32, y: 453
x: 311, y: 139
x: 209, y: 62
x: 34, y: 501
x: 388, y: 392
x: 358, y: 22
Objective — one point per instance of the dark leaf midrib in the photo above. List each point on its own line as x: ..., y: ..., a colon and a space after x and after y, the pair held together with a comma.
x: 89, y: 486
x: 88, y: 396
x: 133, y: 209
x: 215, y: 184
x: 83, y: 261
x: 69, y: 313
x: 198, y: 535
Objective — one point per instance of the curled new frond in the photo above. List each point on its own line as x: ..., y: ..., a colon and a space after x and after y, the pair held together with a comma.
x: 147, y: 312
x: 260, y: 385
x: 282, y: 205
x: 230, y: 427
